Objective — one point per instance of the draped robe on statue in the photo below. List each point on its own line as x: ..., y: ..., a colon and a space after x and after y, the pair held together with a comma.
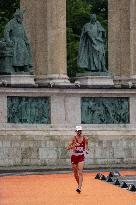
x: 15, y: 32
x: 91, y: 54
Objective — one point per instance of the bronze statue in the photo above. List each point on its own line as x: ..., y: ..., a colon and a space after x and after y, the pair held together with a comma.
x: 17, y: 42
x: 91, y: 54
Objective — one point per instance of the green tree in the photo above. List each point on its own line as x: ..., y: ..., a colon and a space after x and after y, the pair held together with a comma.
x: 7, y: 9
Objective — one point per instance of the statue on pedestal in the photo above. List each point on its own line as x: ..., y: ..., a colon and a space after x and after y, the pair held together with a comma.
x: 91, y: 53
x: 15, y: 54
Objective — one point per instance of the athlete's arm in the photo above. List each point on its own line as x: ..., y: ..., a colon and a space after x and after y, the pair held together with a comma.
x: 71, y: 145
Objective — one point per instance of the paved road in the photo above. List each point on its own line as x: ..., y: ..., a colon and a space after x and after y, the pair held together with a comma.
x: 59, y: 189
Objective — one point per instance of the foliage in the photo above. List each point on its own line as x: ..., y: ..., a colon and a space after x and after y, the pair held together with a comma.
x: 78, y: 13
x: 7, y: 8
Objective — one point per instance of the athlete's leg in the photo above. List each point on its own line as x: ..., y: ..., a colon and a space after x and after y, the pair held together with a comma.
x: 75, y: 171
x: 80, y: 173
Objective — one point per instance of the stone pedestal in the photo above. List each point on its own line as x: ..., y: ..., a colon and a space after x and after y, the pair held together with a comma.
x: 95, y: 79
x: 53, y: 80
x: 17, y: 80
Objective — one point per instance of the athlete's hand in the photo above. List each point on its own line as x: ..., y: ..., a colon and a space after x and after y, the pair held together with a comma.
x: 67, y: 148
x: 70, y: 147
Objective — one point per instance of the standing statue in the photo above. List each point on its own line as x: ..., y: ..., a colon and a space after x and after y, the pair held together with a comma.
x: 91, y: 53
x: 16, y: 40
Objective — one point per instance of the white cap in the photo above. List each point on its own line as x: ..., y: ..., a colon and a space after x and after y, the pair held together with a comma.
x: 78, y: 128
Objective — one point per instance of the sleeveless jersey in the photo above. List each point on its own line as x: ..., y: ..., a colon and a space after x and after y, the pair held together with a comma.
x: 79, y: 147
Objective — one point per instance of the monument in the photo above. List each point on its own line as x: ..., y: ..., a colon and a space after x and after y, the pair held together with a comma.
x: 37, y: 122
x: 15, y: 54
x: 91, y: 49
x: 91, y: 55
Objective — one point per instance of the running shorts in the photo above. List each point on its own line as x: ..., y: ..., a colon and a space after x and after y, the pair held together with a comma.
x: 76, y: 159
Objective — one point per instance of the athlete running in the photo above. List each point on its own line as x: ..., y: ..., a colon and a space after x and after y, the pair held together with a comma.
x: 79, y: 147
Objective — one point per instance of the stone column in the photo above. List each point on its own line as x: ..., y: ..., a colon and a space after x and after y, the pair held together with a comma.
x: 133, y: 38
x: 46, y: 25
x: 119, y: 37
x: 30, y: 25
x: 122, y: 40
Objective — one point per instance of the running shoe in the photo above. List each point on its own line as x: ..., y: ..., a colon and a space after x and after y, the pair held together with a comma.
x: 78, y: 190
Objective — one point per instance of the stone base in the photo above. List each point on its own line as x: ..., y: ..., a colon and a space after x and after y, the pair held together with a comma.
x: 17, y: 80
x: 95, y: 80
x: 53, y: 80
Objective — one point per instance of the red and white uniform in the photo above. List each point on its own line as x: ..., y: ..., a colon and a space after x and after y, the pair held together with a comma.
x: 78, y: 152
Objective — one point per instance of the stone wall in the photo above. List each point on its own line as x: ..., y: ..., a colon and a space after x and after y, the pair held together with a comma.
x: 107, y: 148
x: 43, y: 144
